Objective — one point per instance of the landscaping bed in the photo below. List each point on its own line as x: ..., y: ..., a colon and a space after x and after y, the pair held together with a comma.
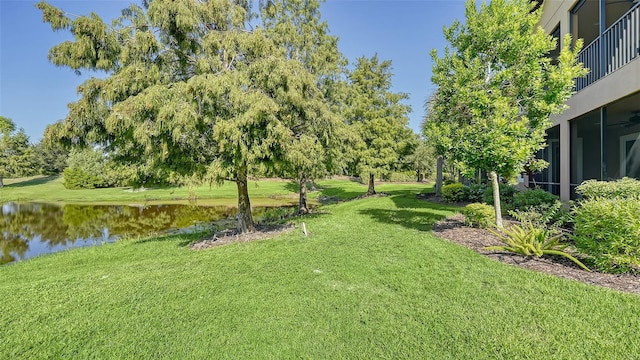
x: 453, y: 229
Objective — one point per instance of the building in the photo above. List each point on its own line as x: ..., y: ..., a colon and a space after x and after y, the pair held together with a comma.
x: 598, y: 137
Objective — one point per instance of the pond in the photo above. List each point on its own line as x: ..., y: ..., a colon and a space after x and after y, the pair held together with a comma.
x: 31, y: 229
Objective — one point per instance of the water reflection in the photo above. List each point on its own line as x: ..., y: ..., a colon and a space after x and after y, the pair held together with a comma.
x: 30, y: 229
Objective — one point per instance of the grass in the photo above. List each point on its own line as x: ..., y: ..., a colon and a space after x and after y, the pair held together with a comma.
x: 371, y: 281
x: 262, y: 192
x: 51, y: 189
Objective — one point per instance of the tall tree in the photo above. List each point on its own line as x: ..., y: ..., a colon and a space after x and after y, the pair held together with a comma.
x: 16, y: 155
x: 497, y: 88
x: 296, y: 26
x: 378, y: 116
x: 191, y: 90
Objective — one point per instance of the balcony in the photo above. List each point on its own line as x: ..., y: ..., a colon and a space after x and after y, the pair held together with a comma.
x: 617, y: 46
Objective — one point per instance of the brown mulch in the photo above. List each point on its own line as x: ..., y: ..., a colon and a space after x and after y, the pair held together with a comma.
x: 365, y: 196
x: 431, y: 197
x: 453, y: 229
x: 232, y: 236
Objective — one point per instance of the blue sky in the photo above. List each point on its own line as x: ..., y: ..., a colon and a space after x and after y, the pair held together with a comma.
x: 35, y: 93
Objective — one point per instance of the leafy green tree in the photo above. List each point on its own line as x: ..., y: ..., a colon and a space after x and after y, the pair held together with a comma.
x: 16, y: 155
x: 378, y: 116
x: 85, y: 169
x: 497, y: 89
x: 296, y: 26
x: 50, y: 156
x: 422, y: 160
x: 191, y: 91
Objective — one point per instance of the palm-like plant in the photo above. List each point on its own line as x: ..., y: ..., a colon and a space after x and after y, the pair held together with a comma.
x: 530, y: 240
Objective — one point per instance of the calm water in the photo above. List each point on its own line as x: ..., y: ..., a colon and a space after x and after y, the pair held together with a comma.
x: 31, y: 229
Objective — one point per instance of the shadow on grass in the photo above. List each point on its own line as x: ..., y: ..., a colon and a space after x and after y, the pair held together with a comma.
x: 32, y: 182
x: 326, y: 191
x: 339, y: 193
x: 292, y: 186
x: 187, y: 238
x: 184, y: 239
x: 411, y: 212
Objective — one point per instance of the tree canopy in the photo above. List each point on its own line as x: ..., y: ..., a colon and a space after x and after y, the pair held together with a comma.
x: 296, y: 26
x: 378, y: 116
x: 497, y: 88
x: 192, y: 90
x: 16, y: 154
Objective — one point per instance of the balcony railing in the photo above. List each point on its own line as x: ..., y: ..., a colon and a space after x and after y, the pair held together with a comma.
x: 619, y: 45
x: 590, y: 59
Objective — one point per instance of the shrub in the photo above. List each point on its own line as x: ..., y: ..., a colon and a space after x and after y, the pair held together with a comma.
x: 405, y: 176
x: 474, y: 192
x: 625, y: 188
x: 76, y: 178
x: 554, y: 215
x: 530, y: 240
x: 507, y: 193
x: 608, y: 230
x: 535, y: 197
x: 452, y: 192
x: 479, y: 215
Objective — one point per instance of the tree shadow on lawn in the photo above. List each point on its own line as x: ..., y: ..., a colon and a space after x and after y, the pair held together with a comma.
x: 220, y: 227
x: 411, y: 213
x: 32, y: 182
x: 337, y: 192
x: 186, y: 238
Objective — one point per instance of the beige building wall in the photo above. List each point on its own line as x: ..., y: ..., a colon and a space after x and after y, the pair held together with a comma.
x: 622, y: 82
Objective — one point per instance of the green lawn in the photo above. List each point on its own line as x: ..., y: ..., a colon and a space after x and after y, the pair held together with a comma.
x: 371, y: 281
x: 50, y: 189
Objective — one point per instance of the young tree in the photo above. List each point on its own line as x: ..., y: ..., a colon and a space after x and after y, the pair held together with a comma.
x: 16, y: 155
x: 191, y: 90
x: 296, y: 26
x: 377, y: 115
x: 497, y: 89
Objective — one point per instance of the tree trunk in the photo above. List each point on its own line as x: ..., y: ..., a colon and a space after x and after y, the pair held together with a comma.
x: 439, y: 175
x: 496, y: 198
x: 244, y: 216
x: 420, y: 177
x: 372, y: 189
x: 302, y: 205
x: 1, y: 183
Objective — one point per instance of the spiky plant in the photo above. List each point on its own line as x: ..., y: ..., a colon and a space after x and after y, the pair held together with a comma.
x: 530, y: 240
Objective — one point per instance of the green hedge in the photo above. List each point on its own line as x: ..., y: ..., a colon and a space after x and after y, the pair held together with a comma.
x: 608, y: 230
x: 453, y: 192
x: 533, y: 198
x: 76, y: 178
x: 625, y: 188
x: 474, y: 192
x: 479, y: 215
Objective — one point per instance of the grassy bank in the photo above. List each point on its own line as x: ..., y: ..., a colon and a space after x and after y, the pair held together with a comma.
x: 371, y: 281
x: 262, y: 192
x: 51, y: 189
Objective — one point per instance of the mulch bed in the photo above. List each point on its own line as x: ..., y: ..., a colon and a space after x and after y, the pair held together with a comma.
x: 232, y: 236
x: 453, y: 229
